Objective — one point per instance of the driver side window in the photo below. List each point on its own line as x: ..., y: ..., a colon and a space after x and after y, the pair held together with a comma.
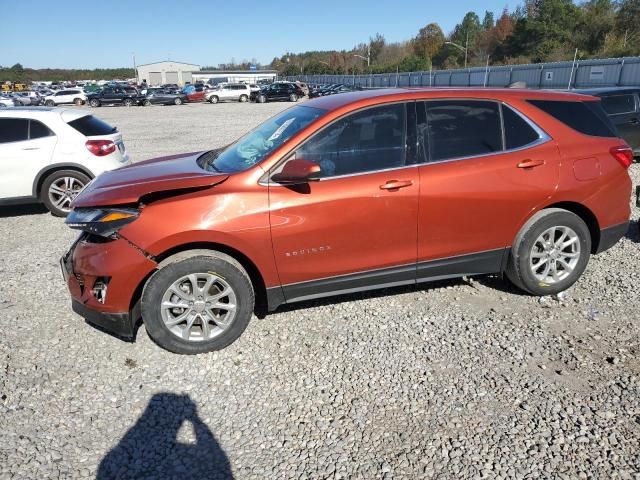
x: 365, y: 141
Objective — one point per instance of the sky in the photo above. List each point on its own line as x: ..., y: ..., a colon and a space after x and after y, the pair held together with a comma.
x: 107, y: 34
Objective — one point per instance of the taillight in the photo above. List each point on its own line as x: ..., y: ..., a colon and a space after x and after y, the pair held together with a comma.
x: 100, y: 148
x: 623, y: 154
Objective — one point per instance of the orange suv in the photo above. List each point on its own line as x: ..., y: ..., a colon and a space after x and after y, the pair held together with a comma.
x: 346, y: 193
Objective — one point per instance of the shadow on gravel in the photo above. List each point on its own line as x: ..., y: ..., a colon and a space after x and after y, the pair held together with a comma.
x: 20, y: 210
x: 633, y: 233
x: 151, y: 448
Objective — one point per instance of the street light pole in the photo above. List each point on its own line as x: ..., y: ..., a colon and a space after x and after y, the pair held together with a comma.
x: 461, y: 48
x: 135, y: 69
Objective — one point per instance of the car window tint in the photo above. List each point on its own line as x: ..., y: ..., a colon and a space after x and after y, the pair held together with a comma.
x: 463, y: 128
x: 517, y: 132
x: 585, y: 117
x: 38, y: 130
x: 13, y: 130
x: 90, y: 126
x: 365, y: 141
x: 617, y: 104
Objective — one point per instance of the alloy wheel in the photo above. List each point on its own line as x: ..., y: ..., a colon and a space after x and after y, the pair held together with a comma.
x: 62, y: 192
x: 555, y: 254
x: 198, y: 307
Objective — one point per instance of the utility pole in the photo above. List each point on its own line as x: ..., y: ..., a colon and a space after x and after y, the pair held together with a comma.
x: 466, y: 49
x: 135, y: 69
x: 486, y: 72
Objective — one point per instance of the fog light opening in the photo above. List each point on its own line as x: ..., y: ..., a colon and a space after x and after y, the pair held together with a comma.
x: 99, y: 289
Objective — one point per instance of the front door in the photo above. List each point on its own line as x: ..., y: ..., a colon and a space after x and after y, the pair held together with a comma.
x: 477, y: 185
x: 356, y: 227
x: 26, y: 147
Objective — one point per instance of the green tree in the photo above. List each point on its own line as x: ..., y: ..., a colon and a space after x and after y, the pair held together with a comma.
x: 489, y: 20
x: 428, y: 42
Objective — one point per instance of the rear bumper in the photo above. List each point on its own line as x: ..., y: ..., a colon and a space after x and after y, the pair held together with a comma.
x: 611, y: 235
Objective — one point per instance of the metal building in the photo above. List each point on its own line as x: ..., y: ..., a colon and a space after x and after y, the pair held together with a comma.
x: 168, y: 71
x: 234, y: 76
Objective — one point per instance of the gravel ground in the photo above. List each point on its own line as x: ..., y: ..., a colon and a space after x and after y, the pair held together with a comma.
x: 462, y: 379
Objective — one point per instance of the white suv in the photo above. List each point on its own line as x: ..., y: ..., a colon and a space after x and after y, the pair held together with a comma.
x: 238, y: 92
x: 49, y: 154
x: 62, y: 97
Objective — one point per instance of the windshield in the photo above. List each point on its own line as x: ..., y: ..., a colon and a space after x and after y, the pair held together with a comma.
x: 258, y: 144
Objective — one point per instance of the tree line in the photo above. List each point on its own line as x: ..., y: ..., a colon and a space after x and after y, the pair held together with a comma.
x: 17, y: 73
x: 536, y: 31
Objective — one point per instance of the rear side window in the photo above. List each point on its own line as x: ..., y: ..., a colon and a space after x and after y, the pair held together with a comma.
x: 585, y: 117
x: 14, y: 130
x: 90, y: 126
x: 517, y: 131
x: 462, y: 128
x: 38, y: 130
x: 619, y: 104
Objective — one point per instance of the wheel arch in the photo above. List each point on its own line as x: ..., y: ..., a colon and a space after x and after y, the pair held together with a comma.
x: 49, y: 169
x: 587, y: 216
x: 257, y: 280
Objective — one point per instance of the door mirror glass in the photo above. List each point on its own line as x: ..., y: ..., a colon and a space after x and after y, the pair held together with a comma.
x: 298, y: 171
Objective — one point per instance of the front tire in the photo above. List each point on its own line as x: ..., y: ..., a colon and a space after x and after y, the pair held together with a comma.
x: 213, y: 99
x: 94, y: 103
x: 146, y: 103
x: 243, y: 98
x: 262, y: 99
x: 50, y: 103
x: 60, y: 188
x: 198, y: 301
x: 178, y: 101
x: 293, y: 97
x: 550, y: 252
x: 77, y: 101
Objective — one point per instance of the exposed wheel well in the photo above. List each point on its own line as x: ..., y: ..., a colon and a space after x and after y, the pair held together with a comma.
x: 42, y: 176
x: 587, y: 217
x: 254, y: 274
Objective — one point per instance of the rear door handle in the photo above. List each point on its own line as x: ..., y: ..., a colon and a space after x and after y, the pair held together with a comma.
x: 530, y: 163
x: 396, y: 184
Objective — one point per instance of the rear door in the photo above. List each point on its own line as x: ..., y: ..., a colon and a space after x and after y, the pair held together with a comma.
x: 26, y: 147
x: 477, y: 184
x: 624, y: 112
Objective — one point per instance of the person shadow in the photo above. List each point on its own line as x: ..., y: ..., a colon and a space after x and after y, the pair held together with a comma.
x: 151, y: 448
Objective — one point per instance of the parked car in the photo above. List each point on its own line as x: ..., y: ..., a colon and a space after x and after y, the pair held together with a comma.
x: 114, y: 96
x: 6, y: 101
x: 20, y: 99
x: 623, y: 107
x: 237, y: 92
x: 34, y: 98
x: 303, y: 87
x: 194, y: 93
x: 48, y: 155
x: 173, y: 86
x: 277, y: 92
x: 63, y: 97
x: 161, y: 96
x: 386, y: 187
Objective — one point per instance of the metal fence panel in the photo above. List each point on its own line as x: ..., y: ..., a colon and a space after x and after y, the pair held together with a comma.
x: 583, y: 74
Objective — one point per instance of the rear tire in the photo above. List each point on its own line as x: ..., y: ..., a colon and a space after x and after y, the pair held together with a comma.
x: 293, y: 97
x: 146, y: 103
x: 194, y: 326
x: 50, y: 103
x: 77, y: 101
x: 261, y: 99
x: 127, y: 102
x: 178, y: 101
x: 550, y: 252
x: 243, y: 98
x: 60, y: 188
x: 213, y: 99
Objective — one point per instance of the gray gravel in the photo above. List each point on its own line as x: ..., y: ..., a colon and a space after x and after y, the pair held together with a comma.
x: 463, y: 379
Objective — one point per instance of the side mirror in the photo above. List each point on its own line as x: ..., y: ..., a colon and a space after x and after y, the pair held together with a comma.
x: 298, y: 171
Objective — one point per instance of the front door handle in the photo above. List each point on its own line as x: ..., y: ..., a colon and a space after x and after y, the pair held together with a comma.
x: 396, y: 184
x: 530, y: 163
x: 31, y: 148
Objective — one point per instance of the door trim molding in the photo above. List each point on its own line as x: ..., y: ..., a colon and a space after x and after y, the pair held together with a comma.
x: 477, y: 263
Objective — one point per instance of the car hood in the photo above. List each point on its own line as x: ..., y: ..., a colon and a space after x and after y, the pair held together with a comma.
x: 127, y: 185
